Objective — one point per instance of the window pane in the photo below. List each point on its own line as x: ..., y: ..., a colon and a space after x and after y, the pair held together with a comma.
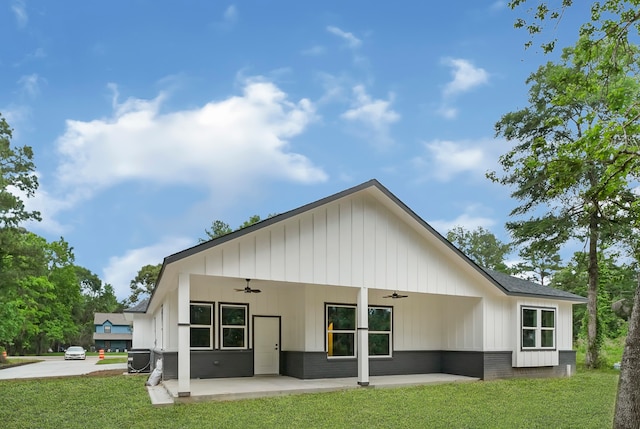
x: 343, y: 318
x: 379, y: 319
x: 200, y: 337
x: 232, y: 337
x: 233, y: 316
x: 529, y: 317
x: 546, y: 337
x: 548, y: 319
x: 341, y: 344
x: 379, y: 345
x: 528, y: 338
x: 200, y: 314
x: 107, y: 329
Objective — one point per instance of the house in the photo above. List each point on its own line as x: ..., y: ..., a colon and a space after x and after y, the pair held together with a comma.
x: 112, y: 332
x: 352, y: 285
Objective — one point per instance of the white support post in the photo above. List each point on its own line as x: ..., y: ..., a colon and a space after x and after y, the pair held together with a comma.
x: 184, y: 324
x: 363, y: 336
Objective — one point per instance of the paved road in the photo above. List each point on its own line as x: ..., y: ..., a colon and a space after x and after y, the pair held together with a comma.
x: 56, y: 366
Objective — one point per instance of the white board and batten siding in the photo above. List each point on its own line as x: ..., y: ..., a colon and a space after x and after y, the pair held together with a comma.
x: 354, y: 242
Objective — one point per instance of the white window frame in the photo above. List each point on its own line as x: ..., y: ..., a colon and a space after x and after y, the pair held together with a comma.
x: 389, y: 333
x: 354, y: 331
x: 538, y: 329
x: 107, y: 329
x: 341, y: 331
x: 210, y: 326
x: 244, y: 327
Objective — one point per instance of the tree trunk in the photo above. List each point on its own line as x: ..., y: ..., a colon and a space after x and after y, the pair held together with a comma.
x: 593, y: 347
x: 627, y: 415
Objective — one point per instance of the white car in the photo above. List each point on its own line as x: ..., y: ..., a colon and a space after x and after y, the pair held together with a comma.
x: 75, y: 352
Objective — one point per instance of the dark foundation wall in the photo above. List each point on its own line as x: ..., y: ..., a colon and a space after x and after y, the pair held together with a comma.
x: 209, y: 364
x: 310, y: 365
x: 498, y: 365
x: 484, y: 365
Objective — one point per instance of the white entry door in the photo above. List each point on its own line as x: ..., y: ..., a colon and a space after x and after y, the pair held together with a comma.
x: 266, y: 345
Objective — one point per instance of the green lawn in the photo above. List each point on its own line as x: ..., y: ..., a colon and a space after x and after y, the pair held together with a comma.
x: 585, y: 400
x: 109, y: 360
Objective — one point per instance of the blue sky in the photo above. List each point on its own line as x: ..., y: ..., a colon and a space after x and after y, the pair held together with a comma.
x: 150, y: 119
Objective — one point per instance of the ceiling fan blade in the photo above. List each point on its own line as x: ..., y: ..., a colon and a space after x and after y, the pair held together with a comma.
x: 395, y: 295
x: 255, y: 290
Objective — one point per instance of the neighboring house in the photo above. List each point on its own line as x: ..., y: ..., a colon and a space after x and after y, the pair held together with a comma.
x: 112, y: 332
x: 353, y: 285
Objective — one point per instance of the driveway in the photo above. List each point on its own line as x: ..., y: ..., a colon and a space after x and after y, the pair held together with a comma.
x: 56, y: 366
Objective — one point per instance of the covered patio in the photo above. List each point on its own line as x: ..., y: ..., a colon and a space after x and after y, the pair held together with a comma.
x: 231, y: 389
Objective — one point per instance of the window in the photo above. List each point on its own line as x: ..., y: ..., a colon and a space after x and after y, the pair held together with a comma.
x: 107, y: 329
x: 201, y: 319
x: 538, y: 328
x: 380, y: 331
x: 341, y: 331
x: 233, y: 326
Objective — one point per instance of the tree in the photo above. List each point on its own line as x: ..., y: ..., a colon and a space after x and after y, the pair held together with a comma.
x: 612, y: 24
x: 627, y: 414
x: 96, y: 298
x: 218, y: 229
x: 563, y: 164
x: 611, y: 20
x: 482, y: 247
x: 16, y: 174
x: 144, y: 282
x: 538, y: 265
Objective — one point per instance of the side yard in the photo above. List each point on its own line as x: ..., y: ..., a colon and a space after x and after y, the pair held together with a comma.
x: 585, y: 401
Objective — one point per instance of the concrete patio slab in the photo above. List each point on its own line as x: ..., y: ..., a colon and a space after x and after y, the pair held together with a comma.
x: 230, y: 389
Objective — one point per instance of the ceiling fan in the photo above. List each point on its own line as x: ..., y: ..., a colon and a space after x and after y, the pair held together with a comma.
x: 247, y: 289
x: 395, y: 295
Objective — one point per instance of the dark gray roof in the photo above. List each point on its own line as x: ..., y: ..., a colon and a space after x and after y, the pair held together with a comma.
x: 516, y: 286
x: 140, y: 307
x: 114, y: 318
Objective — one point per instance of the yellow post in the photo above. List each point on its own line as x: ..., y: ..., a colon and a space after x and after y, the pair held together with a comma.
x: 330, y: 340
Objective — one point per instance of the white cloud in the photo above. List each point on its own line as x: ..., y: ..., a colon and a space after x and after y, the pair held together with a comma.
x: 498, y: 5
x: 448, y: 112
x: 445, y: 159
x: 122, y: 269
x: 314, y: 51
x: 352, y: 41
x: 231, y: 14
x: 20, y: 11
x: 465, y: 76
x: 225, y: 145
x: 30, y: 84
x: 376, y: 115
x: 469, y: 220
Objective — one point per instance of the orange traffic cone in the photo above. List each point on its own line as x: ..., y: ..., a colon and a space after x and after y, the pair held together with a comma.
x: 101, y: 354
x: 4, y: 354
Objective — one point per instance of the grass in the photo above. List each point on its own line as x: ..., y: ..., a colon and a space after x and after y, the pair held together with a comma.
x: 108, y: 360
x: 9, y: 362
x: 585, y: 400
x: 610, y: 351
